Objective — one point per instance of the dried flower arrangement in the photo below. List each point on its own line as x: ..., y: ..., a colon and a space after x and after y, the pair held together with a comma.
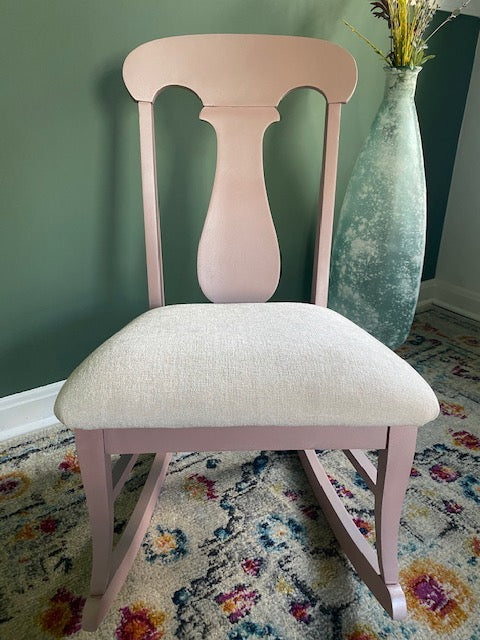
x: 408, y: 21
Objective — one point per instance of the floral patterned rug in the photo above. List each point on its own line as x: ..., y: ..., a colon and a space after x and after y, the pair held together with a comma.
x: 238, y: 549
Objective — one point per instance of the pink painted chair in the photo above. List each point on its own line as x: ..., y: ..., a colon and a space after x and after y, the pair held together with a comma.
x: 242, y: 374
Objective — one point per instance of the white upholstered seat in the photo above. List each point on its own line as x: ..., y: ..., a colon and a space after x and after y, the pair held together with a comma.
x: 243, y: 364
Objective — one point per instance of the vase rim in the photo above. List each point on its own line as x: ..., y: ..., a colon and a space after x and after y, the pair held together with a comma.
x: 416, y: 69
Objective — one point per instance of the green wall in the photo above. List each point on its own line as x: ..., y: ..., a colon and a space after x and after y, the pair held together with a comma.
x: 71, y: 245
x: 440, y: 98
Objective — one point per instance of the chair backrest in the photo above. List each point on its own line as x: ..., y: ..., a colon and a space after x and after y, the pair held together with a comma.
x: 240, y: 80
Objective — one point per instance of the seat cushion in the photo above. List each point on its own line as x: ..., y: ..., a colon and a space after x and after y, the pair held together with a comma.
x: 285, y: 364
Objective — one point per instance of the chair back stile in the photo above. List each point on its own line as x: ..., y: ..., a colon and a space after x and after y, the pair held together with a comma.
x: 238, y: 255
x: 326, y: 206
x: 153, y: 241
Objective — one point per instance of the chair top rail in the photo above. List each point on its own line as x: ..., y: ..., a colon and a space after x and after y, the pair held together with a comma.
x: 276, y: 64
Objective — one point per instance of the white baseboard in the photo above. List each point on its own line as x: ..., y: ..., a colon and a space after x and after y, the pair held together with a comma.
x: 28, y: 411
x: 449, y: 296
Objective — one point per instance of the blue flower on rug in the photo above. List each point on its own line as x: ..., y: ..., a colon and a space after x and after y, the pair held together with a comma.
x: 249, y: 630
x: 471, y: 488
x: 275, y: 532
x: 166, y: 545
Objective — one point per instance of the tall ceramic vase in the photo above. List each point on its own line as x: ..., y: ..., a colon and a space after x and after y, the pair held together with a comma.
x: 379, y: 242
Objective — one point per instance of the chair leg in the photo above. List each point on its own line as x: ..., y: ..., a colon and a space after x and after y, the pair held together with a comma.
x: 378, y: 570
x: 393, y: 473
x: 96, y: 470
x: 110, y: 566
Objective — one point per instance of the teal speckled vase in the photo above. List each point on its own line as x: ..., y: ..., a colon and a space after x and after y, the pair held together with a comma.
x: 379, y: 242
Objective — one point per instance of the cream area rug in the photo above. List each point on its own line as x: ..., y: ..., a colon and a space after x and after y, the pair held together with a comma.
x: 238, y: 548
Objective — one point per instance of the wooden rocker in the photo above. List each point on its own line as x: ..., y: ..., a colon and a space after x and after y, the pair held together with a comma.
x: 245, y: 374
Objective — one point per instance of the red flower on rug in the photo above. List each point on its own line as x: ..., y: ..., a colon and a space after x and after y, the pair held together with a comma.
x: 64, y: 614
x: 311, y: 511
x: 200, y: 488
x: 238, y: 602
x: 12, y: 485
x: 138, y: 622
x: 292, y: 495
x: 452, y: 409
x: 299, y: 611
x: 366, y: 529
x: 252, y: 566
x: 452, y: 507
x: 437, y: 595
x: 70, y: 463
x: 49, y: 525
x: 30, y: 530
x: 442, y: 473
x: 341, y: 489
x: 466, y: 439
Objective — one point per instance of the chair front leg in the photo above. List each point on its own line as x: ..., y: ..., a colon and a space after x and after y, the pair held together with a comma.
x: 96, y: 470
x: 110, y: 566
x: 393, y: 473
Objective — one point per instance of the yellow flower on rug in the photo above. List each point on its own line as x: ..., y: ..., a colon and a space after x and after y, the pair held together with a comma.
x: 12, y: 485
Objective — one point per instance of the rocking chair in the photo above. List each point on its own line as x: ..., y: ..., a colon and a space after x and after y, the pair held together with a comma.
x: 242, y: 374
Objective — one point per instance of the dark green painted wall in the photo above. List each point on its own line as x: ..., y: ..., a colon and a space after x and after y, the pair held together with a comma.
x: 71, y: 247
x: 440, y: 98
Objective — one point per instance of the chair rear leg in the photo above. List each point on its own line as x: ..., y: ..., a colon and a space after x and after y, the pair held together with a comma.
x: 393, y: 473
x: 379, y: 570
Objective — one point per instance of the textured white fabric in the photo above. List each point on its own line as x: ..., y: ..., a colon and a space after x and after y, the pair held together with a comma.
x: 282, y: 364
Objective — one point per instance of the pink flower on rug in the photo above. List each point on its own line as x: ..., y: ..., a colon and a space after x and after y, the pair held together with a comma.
x: 292, y: 495
x: 238, y: 602
x: 140, y: 623
x: 452, y: 409
x: 452, y: 507
x: 70, y: 463
x: 442, y: 473
x: 64, y: 614
x: 466, y: 439
x: 200, y: 488
x: 299, y: 611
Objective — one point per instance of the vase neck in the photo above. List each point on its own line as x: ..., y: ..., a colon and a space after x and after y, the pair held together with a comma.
x: 401, y: 82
